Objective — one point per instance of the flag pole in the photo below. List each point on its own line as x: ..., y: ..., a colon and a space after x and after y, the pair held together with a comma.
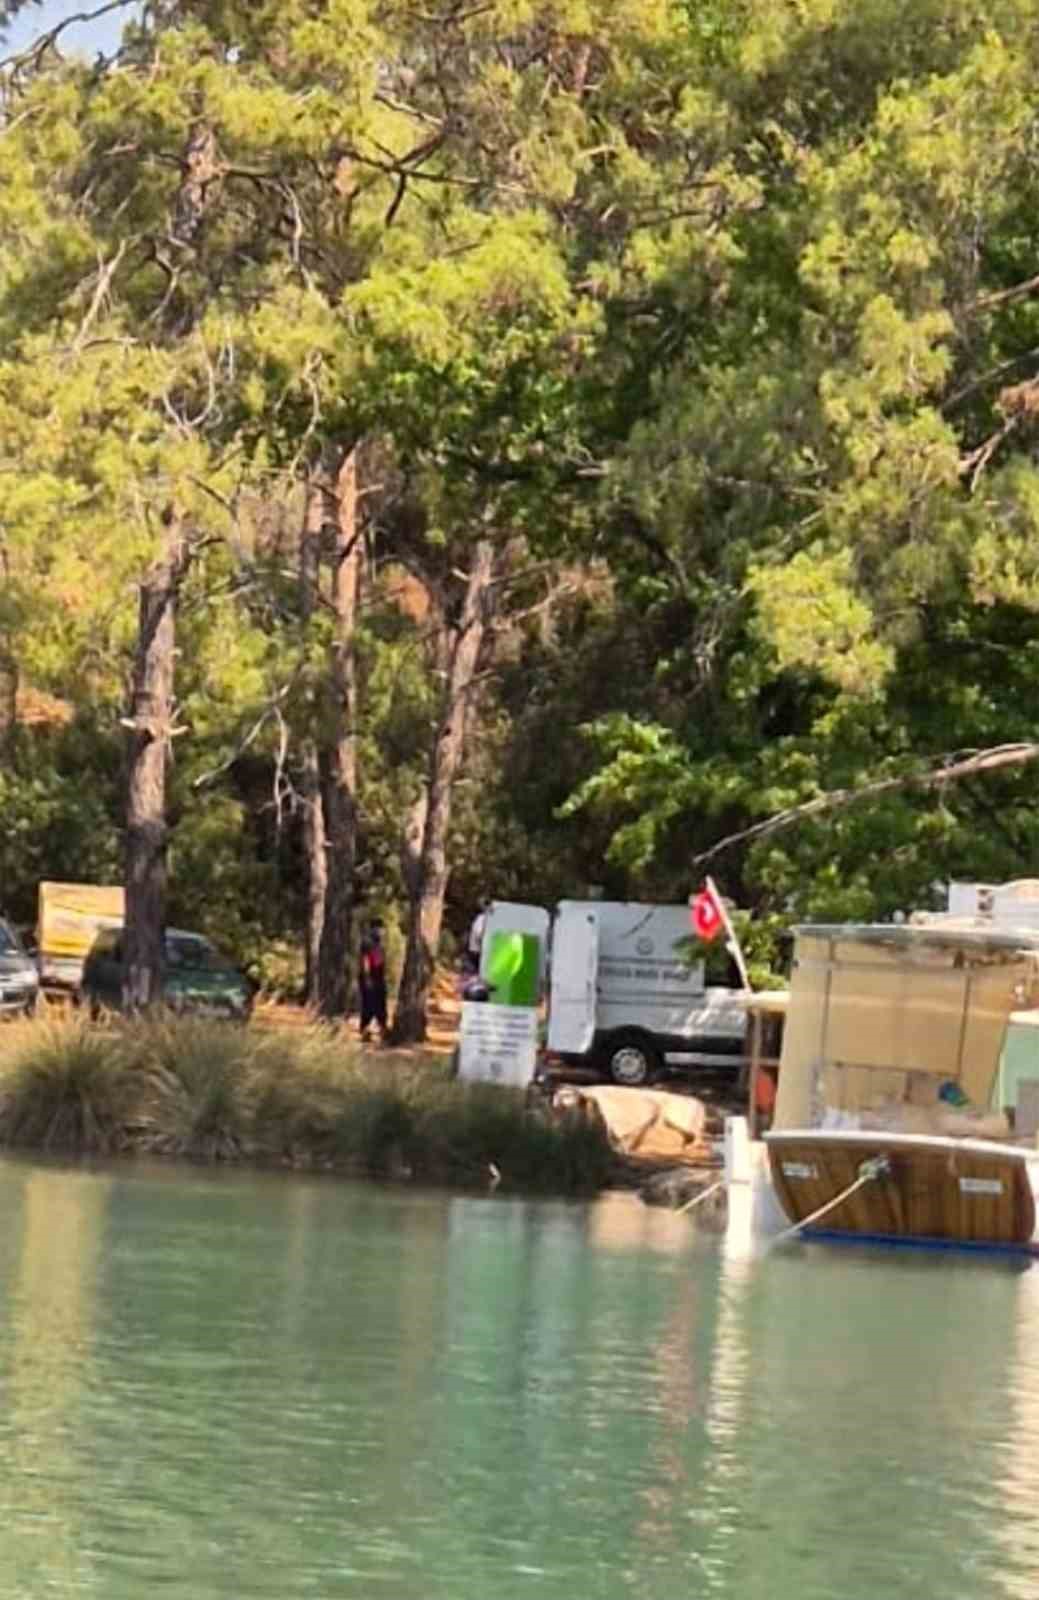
x: 731, y: 941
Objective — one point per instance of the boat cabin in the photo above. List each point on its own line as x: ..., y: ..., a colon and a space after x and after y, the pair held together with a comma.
x: 904, y: 1026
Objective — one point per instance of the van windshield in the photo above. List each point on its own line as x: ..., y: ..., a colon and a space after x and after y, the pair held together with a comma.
x: 9, y: 945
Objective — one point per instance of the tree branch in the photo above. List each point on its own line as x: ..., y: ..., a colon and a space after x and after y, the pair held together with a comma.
x: 974, y: 464
x: 384, y: 99
x: 106, y: 272
x: 271, y: 709
x: 47, y: 40
x: 1002, y: 297
x: 983, y: 382
x: 948, y: 771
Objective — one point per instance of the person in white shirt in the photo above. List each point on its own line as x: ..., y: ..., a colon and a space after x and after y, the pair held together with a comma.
x: 475, y: 941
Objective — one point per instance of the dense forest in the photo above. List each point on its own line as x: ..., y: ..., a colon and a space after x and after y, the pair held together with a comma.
x: 453, y: 447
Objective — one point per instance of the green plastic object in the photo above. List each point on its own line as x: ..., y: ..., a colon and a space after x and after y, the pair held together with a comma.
x: 514, y: 968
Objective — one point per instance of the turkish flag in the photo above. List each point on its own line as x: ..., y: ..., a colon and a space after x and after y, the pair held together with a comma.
x: 706, y: 915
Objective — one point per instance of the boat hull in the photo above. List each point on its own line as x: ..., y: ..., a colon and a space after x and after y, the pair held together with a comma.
x: 927, y: 1189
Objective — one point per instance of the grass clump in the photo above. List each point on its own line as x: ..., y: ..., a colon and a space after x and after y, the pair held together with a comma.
x: 305, y: 1098
x: 192, y: 1087
x: 63, y: 1088
x: 301, y: 1082
x: 463, y: 1130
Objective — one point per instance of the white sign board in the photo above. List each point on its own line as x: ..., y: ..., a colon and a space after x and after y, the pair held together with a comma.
x: 497, y: 1044
x: 980, y: 1186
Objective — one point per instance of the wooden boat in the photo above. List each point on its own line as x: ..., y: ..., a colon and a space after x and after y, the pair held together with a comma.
x: 910, y: 1187
x: 885, y: 1125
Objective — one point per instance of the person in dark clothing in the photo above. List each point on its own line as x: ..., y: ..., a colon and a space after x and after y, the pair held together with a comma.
x: 372, y: 981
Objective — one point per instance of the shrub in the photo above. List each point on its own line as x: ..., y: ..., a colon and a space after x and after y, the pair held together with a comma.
x: 213, y: 1091
x: 64, y: 1088
x: 298, y: 1084
x: 462, y: 1129
x: 192, y: 1078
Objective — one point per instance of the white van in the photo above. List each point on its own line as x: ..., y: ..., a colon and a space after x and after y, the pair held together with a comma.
x: 623, y: 996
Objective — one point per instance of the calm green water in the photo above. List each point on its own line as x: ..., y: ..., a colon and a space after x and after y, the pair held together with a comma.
x: 239, y: 1386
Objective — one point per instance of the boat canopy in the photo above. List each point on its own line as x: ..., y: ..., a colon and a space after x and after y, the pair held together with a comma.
x: 940, y: 932
x: 886, y: 1013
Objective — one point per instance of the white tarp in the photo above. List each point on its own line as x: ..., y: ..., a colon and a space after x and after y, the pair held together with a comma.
x: 650, y: 1123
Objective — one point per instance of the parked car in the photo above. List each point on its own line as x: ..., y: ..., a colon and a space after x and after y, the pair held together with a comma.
x: 196, y: 978
x: 19, y: 979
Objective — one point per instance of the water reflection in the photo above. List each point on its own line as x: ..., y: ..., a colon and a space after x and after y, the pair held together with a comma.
x: 1017, y: 1521
x: 238, y: 1387
x: 621, y: 1221
x: 597, y: 1450
x: 878, y: 1400
x: 50, y: 1293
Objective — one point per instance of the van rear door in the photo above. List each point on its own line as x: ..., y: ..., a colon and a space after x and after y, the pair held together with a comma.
x: 573, y: 993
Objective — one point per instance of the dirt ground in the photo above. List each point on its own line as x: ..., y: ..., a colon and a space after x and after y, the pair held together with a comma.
x: 442, y: 1029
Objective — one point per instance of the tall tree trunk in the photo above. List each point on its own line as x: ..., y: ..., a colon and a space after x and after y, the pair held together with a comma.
x: 313, y: 810
x: 317, y: 868
x: 426, y: 865
x: 151, y: 730
x: 151, y: 715
x: 339, y: 754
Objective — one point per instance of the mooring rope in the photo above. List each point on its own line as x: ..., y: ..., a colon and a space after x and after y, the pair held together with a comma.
x: 705, y: 1194
x: 869, y: 1171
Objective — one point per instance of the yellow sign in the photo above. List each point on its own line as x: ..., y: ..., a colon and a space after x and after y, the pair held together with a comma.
x: 71, y: 915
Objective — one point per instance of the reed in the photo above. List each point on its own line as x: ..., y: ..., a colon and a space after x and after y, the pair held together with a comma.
x: 63, y: 1088
x: 463, y: 1131
x: 300, y: 1097
x: 192, y: 1087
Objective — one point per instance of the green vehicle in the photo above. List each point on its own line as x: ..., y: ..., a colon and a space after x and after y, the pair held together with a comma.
x: 196, y: 980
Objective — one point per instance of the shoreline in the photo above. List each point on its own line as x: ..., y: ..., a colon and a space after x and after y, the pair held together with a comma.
x: 301, y: 1100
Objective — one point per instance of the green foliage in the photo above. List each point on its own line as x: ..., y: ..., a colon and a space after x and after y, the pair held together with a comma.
x: 63, y: 1088
x: 192, y: 1081
x: 60, y: 806
x: 212, y: 1092
x: 467, y: 1128
x: 723, y: 314
x: 814, y: 620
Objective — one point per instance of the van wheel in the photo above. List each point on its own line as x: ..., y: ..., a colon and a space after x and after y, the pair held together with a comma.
x: 631, y: 1061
